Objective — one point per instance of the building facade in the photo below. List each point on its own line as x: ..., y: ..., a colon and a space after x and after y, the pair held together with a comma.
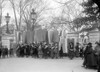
x: 93, y: 36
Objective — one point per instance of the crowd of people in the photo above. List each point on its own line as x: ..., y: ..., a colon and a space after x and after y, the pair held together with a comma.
x: 44, y: 50
x: 75, y: 51
x: 36, y: 50
x: 41, y: 50
x: 5, y: 52
x: 92, y: 56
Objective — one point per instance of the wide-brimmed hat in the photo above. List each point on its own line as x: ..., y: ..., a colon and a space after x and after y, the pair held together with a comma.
x: 89, y: 43
x: 97, y: 43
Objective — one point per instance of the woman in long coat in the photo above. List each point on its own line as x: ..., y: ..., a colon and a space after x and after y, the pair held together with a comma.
x: 77, y: 50
x: 97, y: 54
x: 52, y: 52
x: 40, y: 53
x: 90, y: 59
x: 56, y: 52
x: 71, y: 51
x: 36, y: 51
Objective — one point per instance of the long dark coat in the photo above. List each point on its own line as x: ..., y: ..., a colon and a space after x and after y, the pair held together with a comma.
x: 90, y: 59
x: 71, y: 52
x: 97, y: 53
x: 61, y: 52
x: 77, y: 50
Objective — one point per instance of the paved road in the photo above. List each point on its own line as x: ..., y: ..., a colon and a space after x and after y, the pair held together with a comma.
x: 42, y: 65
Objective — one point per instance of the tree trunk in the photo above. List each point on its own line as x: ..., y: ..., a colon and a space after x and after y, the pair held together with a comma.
x: 15, y: 18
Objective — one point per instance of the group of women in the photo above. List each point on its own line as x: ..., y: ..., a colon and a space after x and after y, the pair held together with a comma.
x: 39, y: 50
x: 44, y: 50
x: 92, y: 56
x: 75, y: 51
x: 5, y: 52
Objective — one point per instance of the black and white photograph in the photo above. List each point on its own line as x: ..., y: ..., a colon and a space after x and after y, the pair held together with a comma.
x: 49, y: 35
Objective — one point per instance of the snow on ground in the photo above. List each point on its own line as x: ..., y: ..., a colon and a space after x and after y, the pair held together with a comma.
x: 42, y: 65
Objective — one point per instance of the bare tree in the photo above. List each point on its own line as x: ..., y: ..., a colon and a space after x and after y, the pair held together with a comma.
x: 1, y: 10
x: 22, y: 11
x: 17, y: 10
x: 70, y: 10
x: 18, y: 7
x: 24, y: 8
x: 40, y: 7
x: 13, y: 4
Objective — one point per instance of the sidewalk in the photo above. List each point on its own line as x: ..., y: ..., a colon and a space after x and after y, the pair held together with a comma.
x: 42, y: 65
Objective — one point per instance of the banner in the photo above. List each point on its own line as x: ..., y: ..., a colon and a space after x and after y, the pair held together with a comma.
x: 41, y: 35
x: 63, y: 41
x: 45, y: 35
x: 29, y: 37
x: 50, y: 36
x: 55, y: 36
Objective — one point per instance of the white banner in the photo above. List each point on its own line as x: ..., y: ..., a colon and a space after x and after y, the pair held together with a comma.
x: 6, y: 43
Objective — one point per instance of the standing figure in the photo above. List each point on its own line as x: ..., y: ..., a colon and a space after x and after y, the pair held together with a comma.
x: 27, y: 50
x: 97, y: 54
x: 61, y: 52
x: 71, y: 50
x: 36, y: 51
x: 40, y: 53
x: 18, y: 50
x: 49, y: 48
x: 46, y: 51
x: 77, y: 50
x: 11, y: 52
x: 22, y: 53
x: 3, y: 52
x: 81, y: 52
x: 52, y: 52
x: 31, y: 50
x: 90, y: 59
x: 6, y: 51
x: 56, y: 52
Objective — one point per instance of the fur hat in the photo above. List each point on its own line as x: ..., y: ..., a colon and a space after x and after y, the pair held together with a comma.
x: 90, y: 43
x: 97, y: 43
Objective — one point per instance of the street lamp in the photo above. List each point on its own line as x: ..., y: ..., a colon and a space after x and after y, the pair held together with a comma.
x: 33, y: 17
x: 7, y: 17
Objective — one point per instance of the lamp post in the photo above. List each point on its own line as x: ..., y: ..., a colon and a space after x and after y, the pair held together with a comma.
x: 33, y: 18
x: 7, y: 17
